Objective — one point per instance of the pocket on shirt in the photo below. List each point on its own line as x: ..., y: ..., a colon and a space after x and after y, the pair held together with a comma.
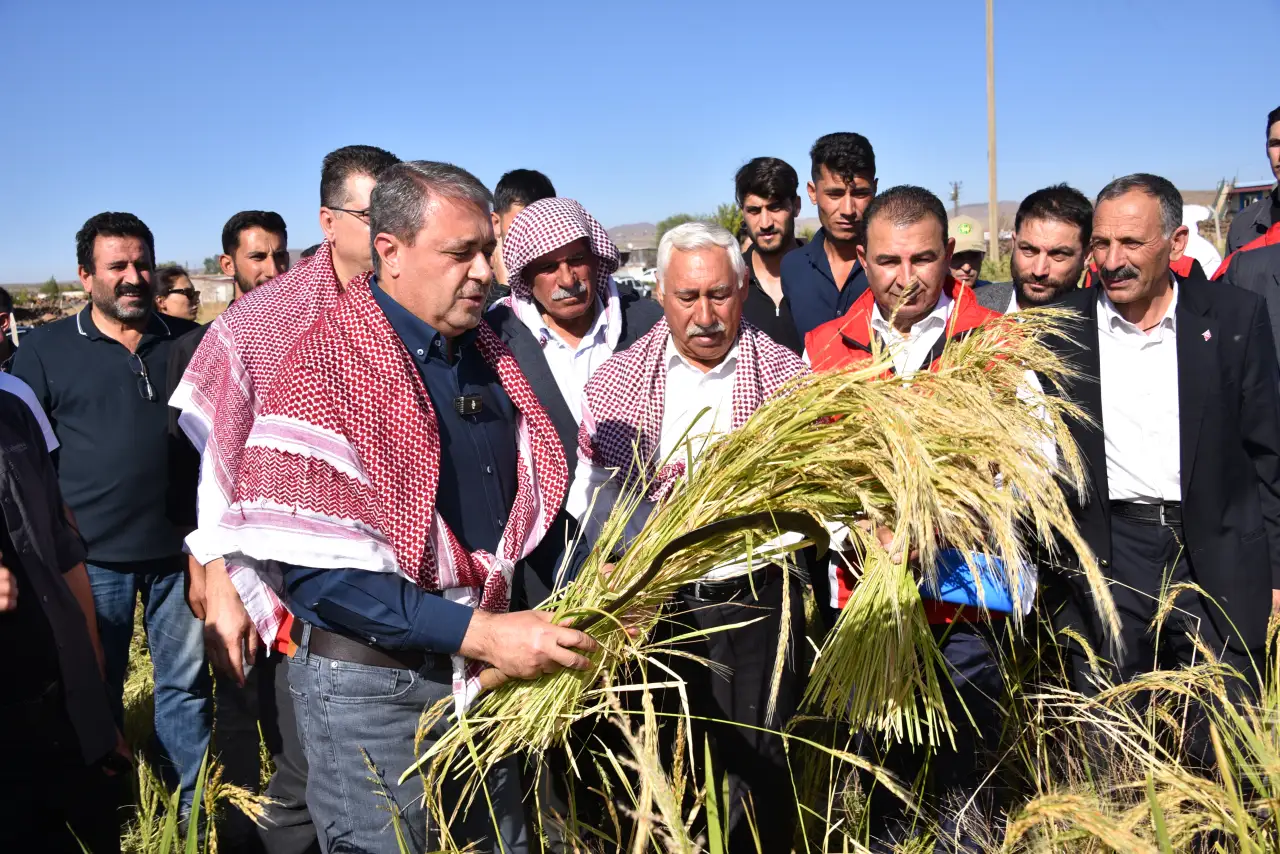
x: 348, y: 682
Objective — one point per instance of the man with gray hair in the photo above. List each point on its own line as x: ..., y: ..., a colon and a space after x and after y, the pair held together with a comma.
x: 1177, y: 380
x: 398, y: 473
x: 698, y: 374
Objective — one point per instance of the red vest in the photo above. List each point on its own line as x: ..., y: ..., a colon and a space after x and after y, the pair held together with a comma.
x: 846, y: 341
x: 1270, y: 238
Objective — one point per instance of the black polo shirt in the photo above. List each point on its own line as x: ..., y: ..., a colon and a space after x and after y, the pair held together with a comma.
x: 761, y: 312
x: 114, y: 462
x: 810, y: 287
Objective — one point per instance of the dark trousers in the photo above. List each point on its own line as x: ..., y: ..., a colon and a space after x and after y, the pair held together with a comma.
x: 957, y: 796
x: 1146, y: 559
x: 264, y: 702
x: 46, y: 786
x: 754, y: 762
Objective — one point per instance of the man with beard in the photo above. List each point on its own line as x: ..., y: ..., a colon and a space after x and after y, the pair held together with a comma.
x: 699, y: 373
x: 1050, y: 243
x: 1180, y: 434
x: 766, y: 190
x: 100, y: 377
x: 254, y: 249
x: 219, y: 396
x: 822, y: 279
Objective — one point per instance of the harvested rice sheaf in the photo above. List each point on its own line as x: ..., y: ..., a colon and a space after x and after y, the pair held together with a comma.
x: 954, y: 458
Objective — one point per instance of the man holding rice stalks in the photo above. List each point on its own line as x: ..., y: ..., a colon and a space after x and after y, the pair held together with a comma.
x: 648, y: 414
x: 911, y: 311
x: 398, y: 471
x: 1181, y: 438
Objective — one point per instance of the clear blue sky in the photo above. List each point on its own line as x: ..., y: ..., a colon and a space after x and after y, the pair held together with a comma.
x: 184, y: 115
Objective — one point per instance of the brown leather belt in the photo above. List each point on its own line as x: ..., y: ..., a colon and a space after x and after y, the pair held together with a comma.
x: 342, y: 648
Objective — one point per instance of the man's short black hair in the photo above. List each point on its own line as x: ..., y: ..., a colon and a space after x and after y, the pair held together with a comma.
x: 165, y: 277
x: 521, y: 187
x: 767, y: 177
x: 110, y: 224
x: 341, y: 164
x: 6, y: 302
x: 844, y: 154
x: 1161, y: 189
x: 309, y: 251
x: 905, y: 205
x: 1061, y: 202
x: 1272, y: 118
x: 269, y: 221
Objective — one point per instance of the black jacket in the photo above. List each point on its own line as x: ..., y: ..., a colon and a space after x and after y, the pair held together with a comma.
x: 1253, y: 221
x: 184, y: 462
x: 772, y: 319
x: 1258, y: 271
x: 639, y: 314
x: 1229, y: 409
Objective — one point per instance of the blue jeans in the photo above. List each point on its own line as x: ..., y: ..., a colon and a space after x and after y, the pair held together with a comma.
x: 344, y: 709
x: 184, y: 704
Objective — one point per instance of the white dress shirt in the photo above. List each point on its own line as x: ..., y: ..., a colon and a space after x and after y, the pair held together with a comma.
x: 909, y: 351
x: 572, y: 366
x: 697, y: 409
x: 1139, y: 376
x: 1013, y: 301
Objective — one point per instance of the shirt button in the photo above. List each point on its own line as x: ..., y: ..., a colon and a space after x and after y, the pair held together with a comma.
x: 488, y: 469
x: 421, y: 352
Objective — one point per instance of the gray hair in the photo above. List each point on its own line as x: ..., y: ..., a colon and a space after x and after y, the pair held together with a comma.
x: 398, y: 204
x: 1161, y: 189
x: 700, y: 235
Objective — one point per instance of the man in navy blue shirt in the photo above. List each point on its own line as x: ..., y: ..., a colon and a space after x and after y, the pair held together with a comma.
x: 415, y: 468
x: 821, y: 279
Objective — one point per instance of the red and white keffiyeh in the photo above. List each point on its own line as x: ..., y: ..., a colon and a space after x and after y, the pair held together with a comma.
x: 543, y: 227
x: 225, y: 384
x: 341, y: 467
x: 624, y: 400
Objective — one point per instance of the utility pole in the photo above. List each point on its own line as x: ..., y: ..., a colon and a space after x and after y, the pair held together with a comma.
x: 993, y: 200
x: 955, y: 197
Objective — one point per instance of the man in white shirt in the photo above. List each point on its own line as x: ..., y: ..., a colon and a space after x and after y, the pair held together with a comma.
x: 1179, y: 379
x: 698, y: 374
x: 1050, y: 248
x: 564, y: 317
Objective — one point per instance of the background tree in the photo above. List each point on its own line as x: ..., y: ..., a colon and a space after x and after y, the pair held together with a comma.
x: 50, y: 288
x: 211, y: 267
x: 672, y: 221
x: 729, y: 216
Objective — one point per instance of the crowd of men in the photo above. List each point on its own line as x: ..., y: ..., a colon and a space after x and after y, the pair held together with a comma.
x: 347, y: 492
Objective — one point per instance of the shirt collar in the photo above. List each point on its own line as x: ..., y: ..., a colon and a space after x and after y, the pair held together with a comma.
x: 597, y: 334
x: 934, y: 319
x: 1113, y: 321
x: 1014, y: 308
x: 726, y: 367
x: 156, y: 327
x: 418, y: 337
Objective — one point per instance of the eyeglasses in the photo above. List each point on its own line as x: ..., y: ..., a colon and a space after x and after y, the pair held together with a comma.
x: 139, y: 369
x: 361, y: 214
x: 190, y: 293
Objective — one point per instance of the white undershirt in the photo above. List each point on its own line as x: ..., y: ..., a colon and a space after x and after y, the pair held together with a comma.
x: 1013, y: 301
x: 1139, y: 376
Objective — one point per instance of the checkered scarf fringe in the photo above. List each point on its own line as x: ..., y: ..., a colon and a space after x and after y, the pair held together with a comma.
x: 624, y: 401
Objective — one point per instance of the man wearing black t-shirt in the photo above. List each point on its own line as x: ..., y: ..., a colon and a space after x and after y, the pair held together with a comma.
x: 767, y: 190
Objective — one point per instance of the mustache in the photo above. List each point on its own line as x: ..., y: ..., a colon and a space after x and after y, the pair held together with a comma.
x: 579, y: 289
x: 1124, y: 274
x: 694, y: 329
x: 132, y: 289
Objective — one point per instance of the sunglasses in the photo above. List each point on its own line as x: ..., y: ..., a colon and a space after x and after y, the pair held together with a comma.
x: 190, y: 293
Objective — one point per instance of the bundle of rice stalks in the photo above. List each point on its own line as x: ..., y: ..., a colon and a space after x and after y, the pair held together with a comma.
x: 919, y: 455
